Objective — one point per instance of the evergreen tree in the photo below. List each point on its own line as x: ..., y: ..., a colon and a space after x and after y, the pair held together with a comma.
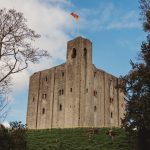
x: 136, y: 86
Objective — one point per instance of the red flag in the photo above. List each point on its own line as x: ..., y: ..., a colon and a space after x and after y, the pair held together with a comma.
x: 74, y: 15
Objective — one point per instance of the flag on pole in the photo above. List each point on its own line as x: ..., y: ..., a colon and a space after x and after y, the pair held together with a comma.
x: 76, y: 17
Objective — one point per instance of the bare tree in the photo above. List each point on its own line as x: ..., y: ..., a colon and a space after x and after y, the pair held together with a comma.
x: 4, y: 101
x: 16, y: 49
x: 5, y: 89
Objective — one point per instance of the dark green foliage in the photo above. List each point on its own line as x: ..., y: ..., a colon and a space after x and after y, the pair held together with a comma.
x: 13, y: 138
x: 4, y: 138
x: 18, y: 136
x: 136, y: 86
x: 77, y: 139
x: 145, y: 13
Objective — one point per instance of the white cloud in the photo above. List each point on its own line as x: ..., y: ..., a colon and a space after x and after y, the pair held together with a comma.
x: 125, y: 21
x: 51, y: 19
x: 53, y: 22
x: 59, y: 2
x: 20, y: 80
x: 107, y: 17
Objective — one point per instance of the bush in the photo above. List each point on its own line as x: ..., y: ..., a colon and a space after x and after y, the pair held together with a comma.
x: 13, y: 138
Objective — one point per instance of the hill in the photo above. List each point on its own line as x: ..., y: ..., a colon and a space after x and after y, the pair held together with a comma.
x: 77, y: 139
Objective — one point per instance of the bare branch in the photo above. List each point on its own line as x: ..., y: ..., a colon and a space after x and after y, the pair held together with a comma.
x: 16, y: 50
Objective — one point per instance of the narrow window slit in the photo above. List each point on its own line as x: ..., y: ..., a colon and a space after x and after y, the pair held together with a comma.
x: 111, y: 114
x: 43, y: 111
x: 94, y: 108
x: 60, y: 107
x: 46, y: 78
x: 86, y: 90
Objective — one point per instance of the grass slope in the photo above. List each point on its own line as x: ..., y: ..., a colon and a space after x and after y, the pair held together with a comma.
x: 77, y: 139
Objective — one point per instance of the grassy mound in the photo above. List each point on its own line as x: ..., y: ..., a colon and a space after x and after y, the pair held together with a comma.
x: 77, y: 139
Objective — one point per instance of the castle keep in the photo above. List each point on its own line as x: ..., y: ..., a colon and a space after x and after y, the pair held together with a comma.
x: 74, y: 94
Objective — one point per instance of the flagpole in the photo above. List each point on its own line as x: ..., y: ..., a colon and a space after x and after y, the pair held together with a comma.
x: 78, y: 27
x: 76, y: 17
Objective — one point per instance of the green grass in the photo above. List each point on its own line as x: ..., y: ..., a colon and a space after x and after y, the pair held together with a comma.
x: 77, y: 139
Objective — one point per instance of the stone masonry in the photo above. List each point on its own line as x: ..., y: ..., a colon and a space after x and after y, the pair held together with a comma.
x: 74, y: 94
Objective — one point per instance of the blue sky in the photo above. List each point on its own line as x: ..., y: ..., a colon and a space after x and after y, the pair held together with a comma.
x: 112, y: 25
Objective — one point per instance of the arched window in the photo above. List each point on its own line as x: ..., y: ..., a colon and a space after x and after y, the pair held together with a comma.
x: 74, y: 53
x: 111, y: 100
x: 62, y: 74
x: 95, y: 93
x: 85, y: 52
x: 43, y: 111
x: 59, y: 92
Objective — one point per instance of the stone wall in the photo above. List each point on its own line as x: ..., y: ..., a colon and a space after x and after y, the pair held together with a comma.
x: 74, y: 94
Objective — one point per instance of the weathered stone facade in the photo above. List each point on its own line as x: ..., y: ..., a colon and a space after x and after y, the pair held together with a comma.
x: 74, y: 94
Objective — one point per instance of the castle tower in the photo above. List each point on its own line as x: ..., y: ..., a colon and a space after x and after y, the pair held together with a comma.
x: 78, y: 75
x: 74, y: 94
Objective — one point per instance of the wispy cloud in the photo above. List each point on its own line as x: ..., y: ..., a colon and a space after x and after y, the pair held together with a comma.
x: 57, y: 2
x: 53, y: 22
x: 108, y: 17
x: 51, y: 19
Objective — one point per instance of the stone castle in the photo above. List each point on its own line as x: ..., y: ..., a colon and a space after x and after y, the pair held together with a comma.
x: 74, y: 94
